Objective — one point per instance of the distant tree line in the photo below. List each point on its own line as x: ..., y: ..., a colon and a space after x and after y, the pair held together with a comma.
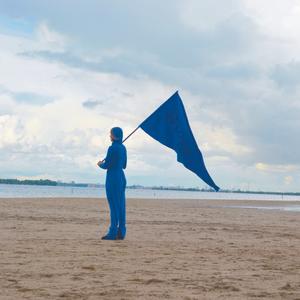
x: 29, y: 181
x: 41, y: 182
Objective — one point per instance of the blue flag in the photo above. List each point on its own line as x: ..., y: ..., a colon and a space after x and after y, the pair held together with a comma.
x: 170, y: 126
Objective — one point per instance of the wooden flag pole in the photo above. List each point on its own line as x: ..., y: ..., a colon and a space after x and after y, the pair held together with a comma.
x: 131, y: 133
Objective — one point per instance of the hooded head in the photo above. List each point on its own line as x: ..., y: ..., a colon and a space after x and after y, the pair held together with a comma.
x: 117, y: 134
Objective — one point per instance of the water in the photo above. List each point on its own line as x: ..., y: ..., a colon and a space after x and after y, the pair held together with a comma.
x: 39, y: 191
x: 35, y: 191
x: 295, y: 208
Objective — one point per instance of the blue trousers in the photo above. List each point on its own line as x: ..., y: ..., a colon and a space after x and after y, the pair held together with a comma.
x: 115, y: 186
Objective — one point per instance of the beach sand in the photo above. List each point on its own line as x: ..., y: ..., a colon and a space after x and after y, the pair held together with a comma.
x: 174, y: 249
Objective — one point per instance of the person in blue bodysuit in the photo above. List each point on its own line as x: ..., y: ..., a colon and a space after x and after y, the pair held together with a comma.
x: 115, y: 184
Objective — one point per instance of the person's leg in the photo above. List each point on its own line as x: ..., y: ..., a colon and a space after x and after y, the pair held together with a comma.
x: 122, y: 211
x: 122, y: 220
x: 113, y: 216
x: 113, y: 229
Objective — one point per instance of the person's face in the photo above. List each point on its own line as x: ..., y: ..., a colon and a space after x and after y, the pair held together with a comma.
x: 112, y: 138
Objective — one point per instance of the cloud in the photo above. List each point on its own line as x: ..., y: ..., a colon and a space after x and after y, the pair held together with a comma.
x: 64, y: 57
x: 234, y: 72
x: 234, y: 63
x: 9, y: 130
x: 91, y: 103
x: 25, y: 97
x: 61, y: 137
x: 280, y: 19
x: 288, y: 180
x: 276, y: 168
x: 49, y: 38
x: 31, y: 98
x: 287, y: 76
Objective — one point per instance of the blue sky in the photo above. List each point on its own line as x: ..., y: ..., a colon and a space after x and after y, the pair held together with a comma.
x: 71, y: 70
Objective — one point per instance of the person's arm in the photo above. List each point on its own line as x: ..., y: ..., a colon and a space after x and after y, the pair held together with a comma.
x: 125, y: 159
x: 107, y: 162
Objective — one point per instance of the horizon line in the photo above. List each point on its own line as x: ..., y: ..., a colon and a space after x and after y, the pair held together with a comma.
x: 170, y: 187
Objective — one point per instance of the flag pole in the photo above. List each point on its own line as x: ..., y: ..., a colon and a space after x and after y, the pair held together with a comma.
x: 131, y: 133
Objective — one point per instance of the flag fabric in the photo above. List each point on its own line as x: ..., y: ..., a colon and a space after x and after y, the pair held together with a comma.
x: 170, y: 126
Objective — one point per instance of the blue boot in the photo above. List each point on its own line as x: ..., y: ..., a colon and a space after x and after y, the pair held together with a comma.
x: 121, y: 233
x: 111, y: 235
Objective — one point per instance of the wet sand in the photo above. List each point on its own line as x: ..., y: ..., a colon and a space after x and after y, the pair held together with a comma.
x: 174, y: 249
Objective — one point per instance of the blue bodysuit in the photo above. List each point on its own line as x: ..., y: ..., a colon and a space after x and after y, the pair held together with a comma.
x: 115, y: 184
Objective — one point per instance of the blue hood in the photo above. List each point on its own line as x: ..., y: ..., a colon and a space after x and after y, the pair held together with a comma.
x: 117, y: 133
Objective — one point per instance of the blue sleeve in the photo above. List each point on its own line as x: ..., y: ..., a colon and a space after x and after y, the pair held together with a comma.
x: 125, y: 159
x: 108, y: 159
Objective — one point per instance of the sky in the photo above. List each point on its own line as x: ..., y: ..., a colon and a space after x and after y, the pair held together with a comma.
x: 71, y: 70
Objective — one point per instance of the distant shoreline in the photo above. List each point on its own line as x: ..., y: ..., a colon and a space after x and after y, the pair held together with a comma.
x: 48, y: 182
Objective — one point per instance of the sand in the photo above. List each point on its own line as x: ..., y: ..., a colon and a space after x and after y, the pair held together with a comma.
x: 174, y: 249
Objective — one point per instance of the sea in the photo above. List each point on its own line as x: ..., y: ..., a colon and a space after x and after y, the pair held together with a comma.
x: 40, y: 191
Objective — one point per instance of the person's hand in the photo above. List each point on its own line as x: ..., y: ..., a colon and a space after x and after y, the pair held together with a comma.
x: 100, y: 162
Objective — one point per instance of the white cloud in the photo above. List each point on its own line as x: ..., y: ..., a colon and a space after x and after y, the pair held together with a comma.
x: 220, y: 139
x: 288, y: 180
x: 276, y: 168
x: 9, y: 130
x: 64, y: 131
x: 205, y: 15
x: 234, y: 62
x: 49, y: 39
x: 276, y: 18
